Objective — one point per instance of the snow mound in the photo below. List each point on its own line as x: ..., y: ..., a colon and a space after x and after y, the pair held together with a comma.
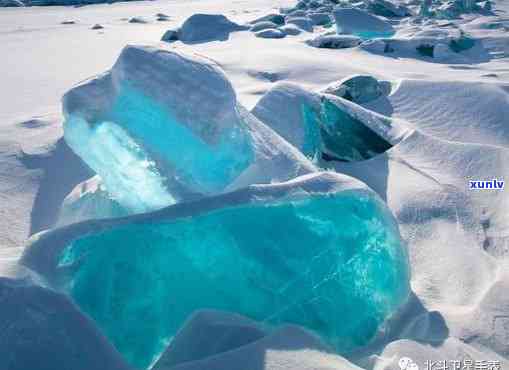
x: 263, y: 25
x: 469, y: 120
x: 340, y: 277
x: 42, y: 329
x: 270, y: 34
x: 138, y: 128
x: 328, y: 41
x: 207, y: 27
x: 387, y: 8
x: 139, y: 20
x: 162, y: 17
x: 455, y: 8
x: 170, y: 36
x: 304, y: 23
x: 11, y: 3
x: 19, y: 3
x: 320, y: 124
x: 291, y: 30
x: 320, y: 18
x: 272, y: 17
x: 454, y: 46
x: 361, y: 23
x: 358, y: 88
x: 239, y: 340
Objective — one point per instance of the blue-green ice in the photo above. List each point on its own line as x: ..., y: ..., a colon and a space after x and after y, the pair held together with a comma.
x: 339, y: 134
x: 331, y: 263
x: 148, y: 159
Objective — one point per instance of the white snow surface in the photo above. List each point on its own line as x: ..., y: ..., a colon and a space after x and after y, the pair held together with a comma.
x: 453, y: 112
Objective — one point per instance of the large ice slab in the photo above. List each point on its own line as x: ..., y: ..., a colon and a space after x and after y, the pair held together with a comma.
x: 321, y: 251
x: 163, y: 126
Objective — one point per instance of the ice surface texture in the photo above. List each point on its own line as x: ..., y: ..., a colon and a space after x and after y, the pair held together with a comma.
x: 321, y: 251
x: 139, y: 129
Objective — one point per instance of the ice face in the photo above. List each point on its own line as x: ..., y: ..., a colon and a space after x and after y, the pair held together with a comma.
x: 347, y: 138
x: 335, y: 266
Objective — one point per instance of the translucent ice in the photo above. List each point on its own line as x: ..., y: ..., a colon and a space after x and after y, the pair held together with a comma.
x: 163, y: 127
x: 321, y: 251
x: 135, y: 180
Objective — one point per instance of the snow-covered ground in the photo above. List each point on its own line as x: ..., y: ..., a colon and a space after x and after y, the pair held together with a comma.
x: 446, y: 122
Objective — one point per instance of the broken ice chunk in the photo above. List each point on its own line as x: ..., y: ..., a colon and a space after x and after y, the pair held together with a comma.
x: 321, y: 124
x: 163, y: 127
x: 358, y: 88
x: 361, y: 23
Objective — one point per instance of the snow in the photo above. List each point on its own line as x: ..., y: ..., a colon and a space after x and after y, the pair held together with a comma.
x: 262, y: 25
x: 291, y: 29
x: 449, y: 109
x: 329, y: 41
x: 37, y: 321
x: 240, y: 340
x: 304, y: 23
x: 270, y: 33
